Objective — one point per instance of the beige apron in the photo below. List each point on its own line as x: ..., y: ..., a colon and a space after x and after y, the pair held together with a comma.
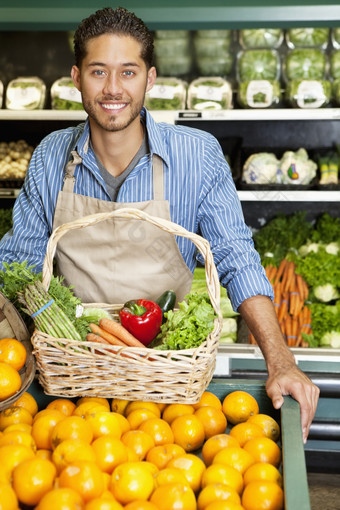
x: 118, y: 259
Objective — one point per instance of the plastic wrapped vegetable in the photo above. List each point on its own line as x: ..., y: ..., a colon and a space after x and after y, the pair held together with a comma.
x: 308, y: 93
x: 261, y: 38
x: 167, y: 94
x: 221, y: 66
x: 174, y: 66
x: 210, y: 47
x: 335, y: 37
x: 335, y: 64
x: 172, y: 34
x: 215, y: 34
x: 305, y: 64
x: 261, y: 168
x: 258, y: 65
x: 307, y: 37
x: 171, y: 47
x: 297, y: 168
x: 65, y: 96
x: 213, y: 93
x: 259, y: 93
x: 25, y: 93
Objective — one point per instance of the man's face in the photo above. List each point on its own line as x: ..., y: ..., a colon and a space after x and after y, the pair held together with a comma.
x: 113, y: 80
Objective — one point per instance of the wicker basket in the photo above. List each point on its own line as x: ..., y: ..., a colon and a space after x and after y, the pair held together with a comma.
x: 12, y: 326
x: 66, y: 369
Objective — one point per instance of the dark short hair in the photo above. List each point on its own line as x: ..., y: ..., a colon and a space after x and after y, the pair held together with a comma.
x: 118, y: 21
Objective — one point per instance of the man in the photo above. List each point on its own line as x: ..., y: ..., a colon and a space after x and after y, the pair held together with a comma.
x: 121, y: 158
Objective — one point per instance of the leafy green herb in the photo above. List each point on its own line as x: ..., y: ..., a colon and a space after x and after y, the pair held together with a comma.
x: 188, y: 326
x: 319, y: 268
x: 280, y: 235
x: 327, y: 229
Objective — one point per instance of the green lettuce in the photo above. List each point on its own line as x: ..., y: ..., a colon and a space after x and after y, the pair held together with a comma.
x: 188, y: 326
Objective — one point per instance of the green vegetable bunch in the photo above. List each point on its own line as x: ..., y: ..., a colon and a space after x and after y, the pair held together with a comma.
x: 189, y: 326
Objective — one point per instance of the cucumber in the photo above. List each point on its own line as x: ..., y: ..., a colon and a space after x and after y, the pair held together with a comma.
x: 166, y: 302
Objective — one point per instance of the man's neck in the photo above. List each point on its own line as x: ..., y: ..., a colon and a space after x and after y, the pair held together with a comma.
x: 116, y: 150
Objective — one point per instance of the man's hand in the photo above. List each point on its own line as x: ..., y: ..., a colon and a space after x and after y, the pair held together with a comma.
x: 284, y: 377
x: 295, y: 383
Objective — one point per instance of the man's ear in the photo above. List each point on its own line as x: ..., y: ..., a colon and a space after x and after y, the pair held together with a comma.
x: 151, y: 78
x: 75, y: 75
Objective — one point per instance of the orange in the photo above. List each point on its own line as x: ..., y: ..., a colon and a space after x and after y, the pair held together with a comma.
x: 13, y: 415
x: 262, y: 471
x: 103, y: 422
x: 13, y: 353
x: 208, y: 399
x: 159, y: 430
x: 8, y: 498
x: 151, y: 467
x: 18, y: 437
x: 32, y: 479
x: 139, y: 441
x: 170, y: 475
x: 224, y: 505
x: 88, y: 406
x: 43, y: 426
x: 44, y: 454
x: 236, y: 457
x: 70, y: 450
x: 83, y: 476
x: 238, y: 406
x: 175, y: 495
x: 214, y: 444
x: 61, y: 498
x: 269, y: 426
x: 131, y: 481
x: 261, y: 495
x: 97, y: 400
x: 12, y: 455
x: 193, y: 469
x: 172, y: 411
x: 161, y: 455
x: 71, y: 427
x: 141, y: 404
x: 118, y: 405
x: 140, y: 505
x: 132, y: 455
x: 64, y: 405
x: 264, y: 449
x: 212, y: 419
x: 123, y: 422
x: 214, y: 492
x: 136, y: 417
x: 224, y: 474
x: 103, y: 503
x: 246, y: 430
x: 10, y: 381
x: 47, y: 412
x: 109, y: 452
x: 188, y: 432
x: 23, y: 427
x: 27, y: 401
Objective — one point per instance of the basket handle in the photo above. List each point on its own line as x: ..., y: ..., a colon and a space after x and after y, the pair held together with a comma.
x: 213, y: 284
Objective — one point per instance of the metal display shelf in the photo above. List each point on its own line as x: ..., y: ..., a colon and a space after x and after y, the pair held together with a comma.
x: 179, y: 14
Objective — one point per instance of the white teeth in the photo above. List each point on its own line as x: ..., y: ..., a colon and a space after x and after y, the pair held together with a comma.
x: 113, y: 106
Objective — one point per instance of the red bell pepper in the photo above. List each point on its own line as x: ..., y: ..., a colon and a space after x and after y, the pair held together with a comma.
x: 142, y: 318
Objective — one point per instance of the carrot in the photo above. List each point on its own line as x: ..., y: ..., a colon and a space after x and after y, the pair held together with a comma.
x: 295, y: 329
x: 93, y: 337
x: 288, y: 328
x: 306, y: 290
x: 300, y: 286
x: 116, y: 329
x: 290, y: 276
x: 280, y: 270
x: 251, y: 339
x: 277, y: 297
x: 111, y: 339
x: 283, y: 310
x: 271, y: 272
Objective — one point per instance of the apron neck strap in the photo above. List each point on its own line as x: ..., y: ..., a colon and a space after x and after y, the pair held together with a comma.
x: 157, y: 173
x: 69, y: 178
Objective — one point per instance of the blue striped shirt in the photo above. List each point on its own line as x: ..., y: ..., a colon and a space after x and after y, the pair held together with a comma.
x: 197, y: 183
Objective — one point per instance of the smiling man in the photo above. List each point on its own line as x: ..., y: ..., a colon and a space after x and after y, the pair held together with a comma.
x: 120, y: 157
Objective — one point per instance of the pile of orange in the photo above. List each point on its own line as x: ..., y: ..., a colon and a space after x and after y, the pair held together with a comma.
x: 93, y: 454
x: 12, y: 359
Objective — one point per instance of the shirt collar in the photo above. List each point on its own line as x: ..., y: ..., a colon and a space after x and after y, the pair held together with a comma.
x: 155, y: 138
